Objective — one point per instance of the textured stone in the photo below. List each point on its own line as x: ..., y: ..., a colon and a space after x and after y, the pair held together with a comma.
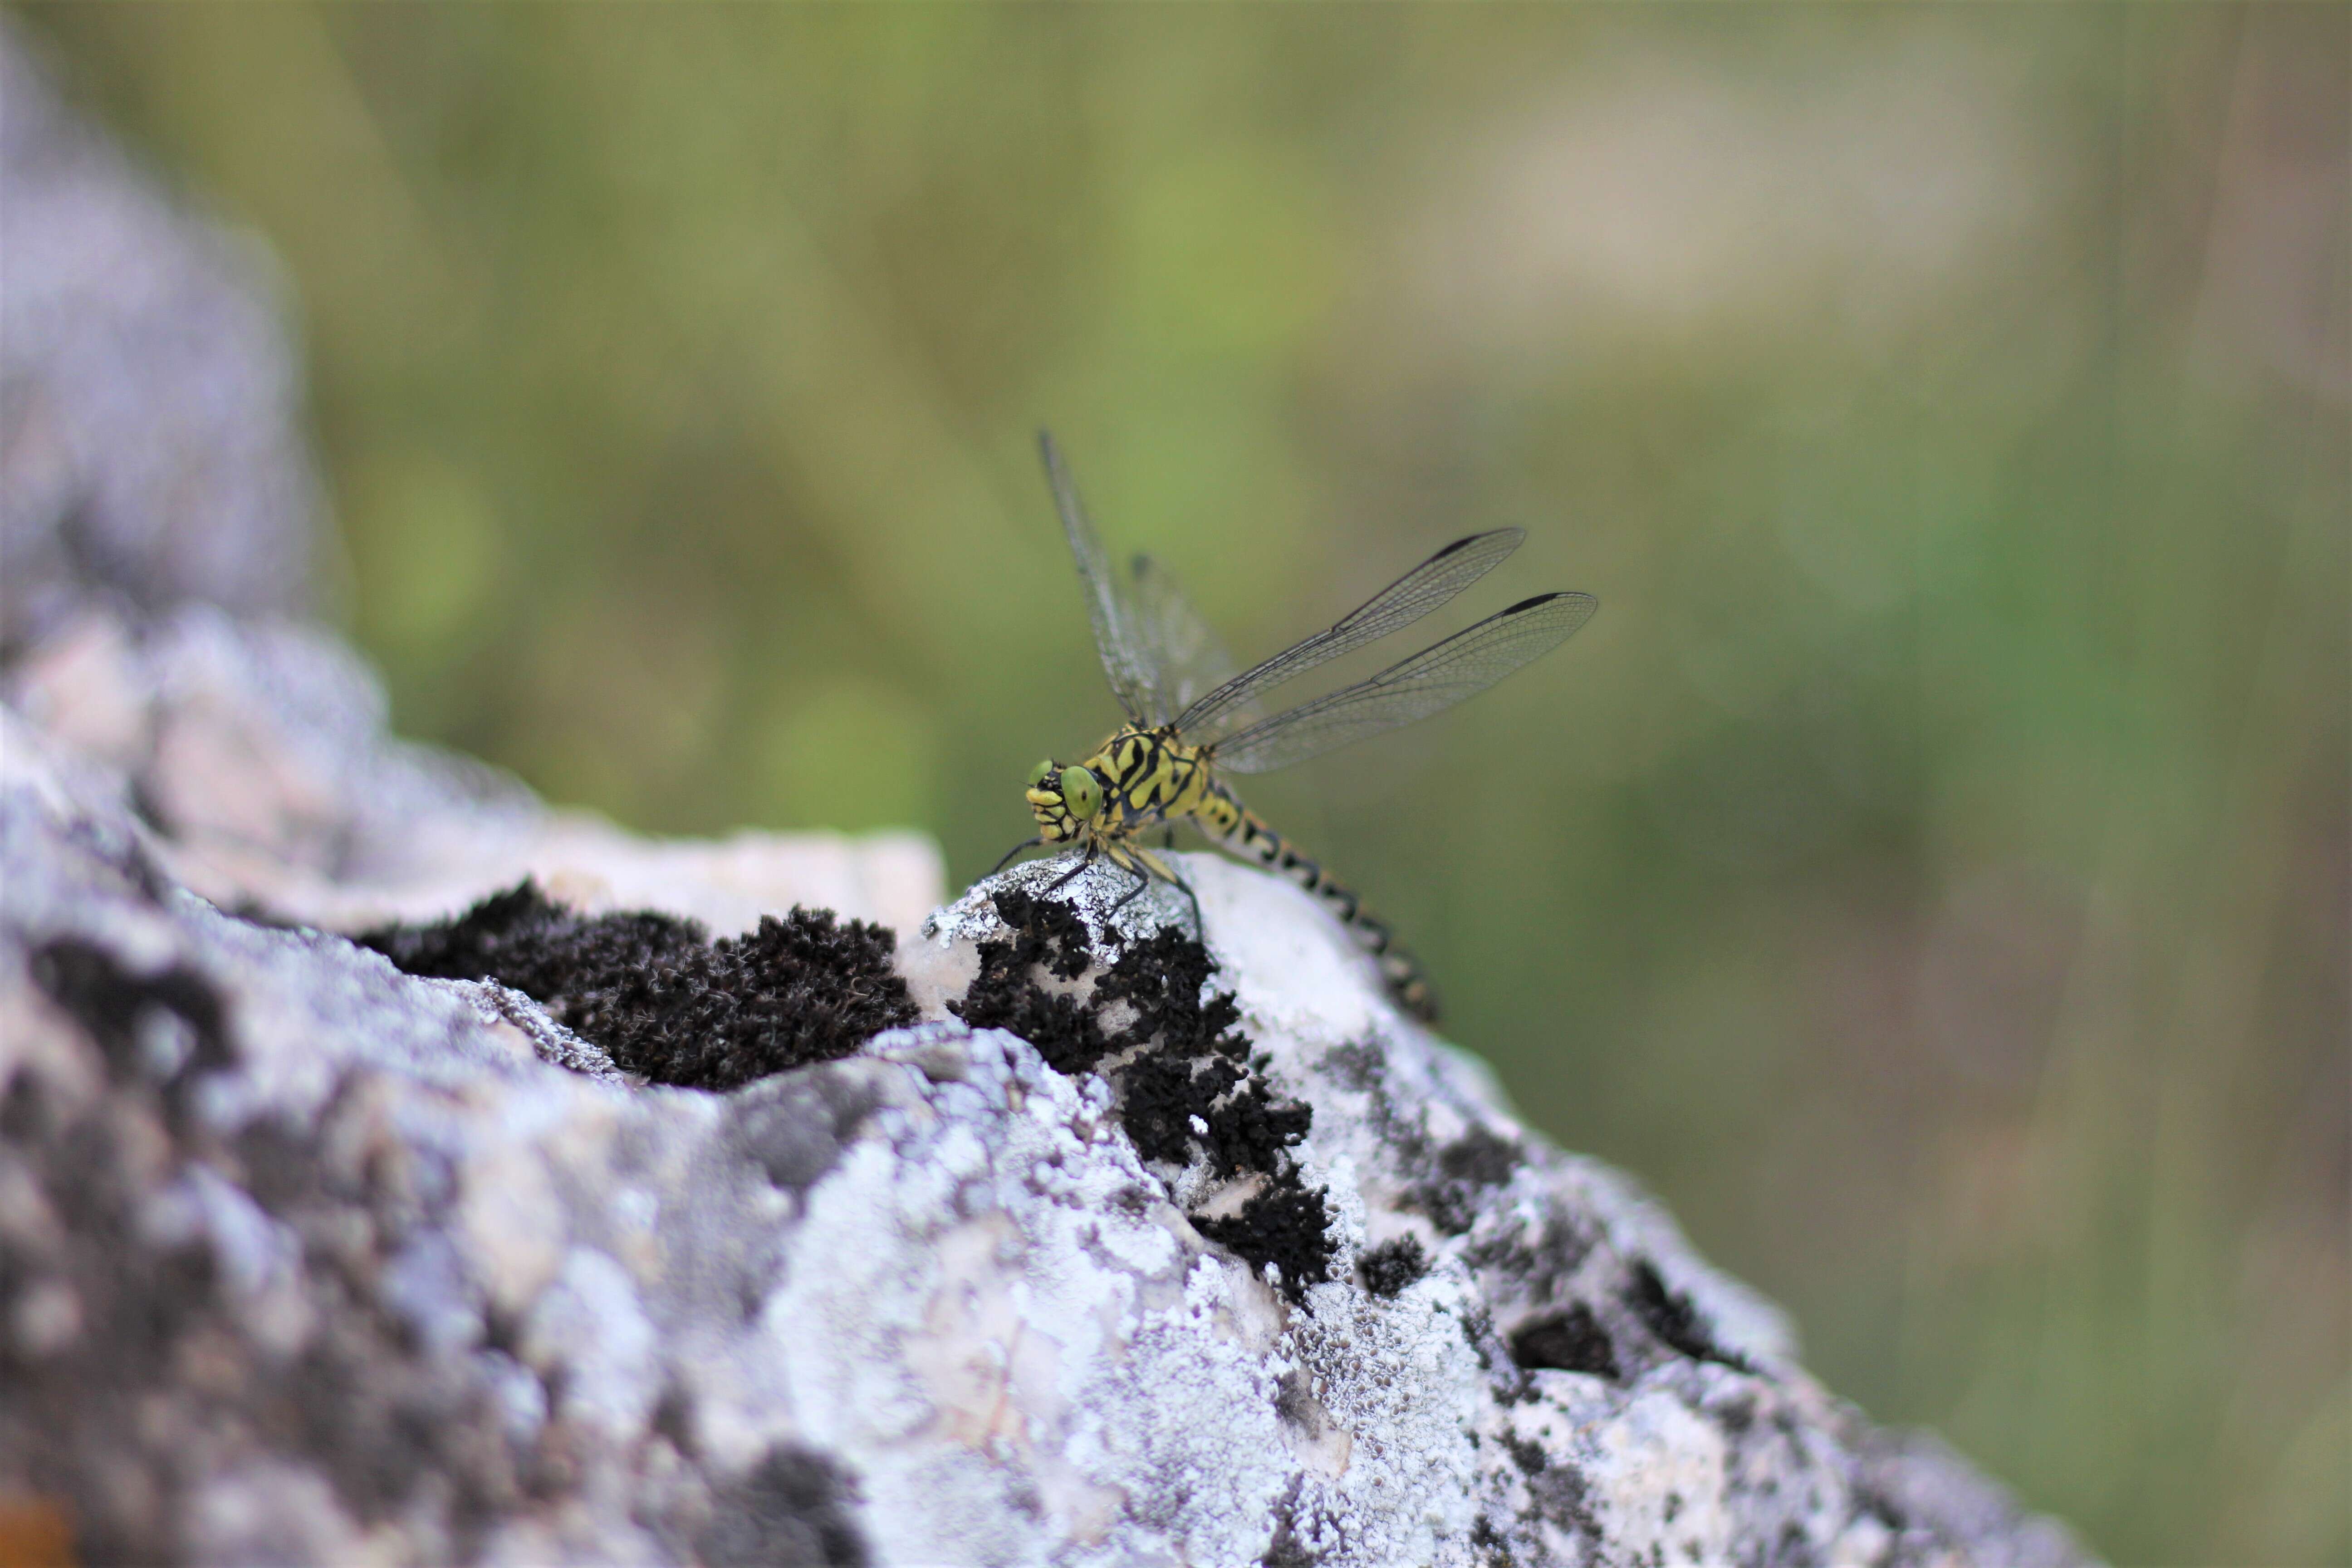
x: 308, y: 1258
x: 150, y: 453
x: 256, y: 759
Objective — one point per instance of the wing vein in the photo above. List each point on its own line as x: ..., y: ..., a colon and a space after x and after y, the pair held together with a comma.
x: 1412, y: 688
x: 1420, y: 591
x: 1125, y: 663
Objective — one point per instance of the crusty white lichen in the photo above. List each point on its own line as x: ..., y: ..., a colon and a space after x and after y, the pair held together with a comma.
x: 1404, y: 1430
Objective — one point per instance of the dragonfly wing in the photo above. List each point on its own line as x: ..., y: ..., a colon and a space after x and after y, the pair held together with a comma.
x: 1402, y: 602
x: 1186, y: 656
x: 1125, y: 660
x: 1431, y: 680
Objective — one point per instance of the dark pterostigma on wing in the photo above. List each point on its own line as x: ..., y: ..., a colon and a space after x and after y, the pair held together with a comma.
x: 1412, y: 688
x: 1417, y: 593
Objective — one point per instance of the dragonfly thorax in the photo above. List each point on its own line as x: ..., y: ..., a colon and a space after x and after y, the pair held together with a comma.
x: 1134, y: 779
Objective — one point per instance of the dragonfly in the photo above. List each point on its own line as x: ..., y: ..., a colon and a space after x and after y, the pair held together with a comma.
x: 1192, y: 718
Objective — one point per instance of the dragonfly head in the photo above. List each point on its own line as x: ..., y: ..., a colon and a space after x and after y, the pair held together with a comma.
x: 1063, y: 800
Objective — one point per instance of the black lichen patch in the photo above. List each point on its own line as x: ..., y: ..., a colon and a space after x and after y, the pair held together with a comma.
x: 1187, y: 1081
x: 1560, y: 1496
x: 1465, y: 1169
x: 1006, y: 995
x: 1161, y: 979
x: 794, y: 1507
x: 1674, y: 1320
x: 660, y: 998
x: 546, y: 951
x: 1166, y: 1102
x: 1452, y: 1207
x: 1252, y: 1126
x: 1572, y: 1339
x: 158, y: 1380
x: 1288, y: 1549
x: 162, y: 1028
x: 806, y: 988
x: 1286, y: 1224
x: 1491, y: 1542
x: 1391, y: 1266
x: 1479, y: 1158
x: 1540, y: 1265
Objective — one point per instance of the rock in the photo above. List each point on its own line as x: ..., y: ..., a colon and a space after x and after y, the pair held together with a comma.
x: 150, y: 453
x: 308, y: 1258
x: 255, y: 756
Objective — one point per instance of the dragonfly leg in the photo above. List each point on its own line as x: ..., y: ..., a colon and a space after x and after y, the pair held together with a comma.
x: 1141, y: 881
x: 1055, y: 885
x: 1137, y: 862
x: 1009, y: 854
x: 1199, y: 926
x: 1162, y: 869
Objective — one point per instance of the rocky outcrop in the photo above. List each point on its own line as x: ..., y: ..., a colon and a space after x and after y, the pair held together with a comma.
x: 309, y: 1257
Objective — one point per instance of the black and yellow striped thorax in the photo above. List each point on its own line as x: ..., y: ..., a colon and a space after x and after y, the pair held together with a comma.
x: 1148, y: 776
x: 1143, y: 777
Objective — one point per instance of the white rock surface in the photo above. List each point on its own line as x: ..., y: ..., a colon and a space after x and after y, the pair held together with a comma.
x: 150, y: 449
x: 310, y: 1258
x: 255, y: 754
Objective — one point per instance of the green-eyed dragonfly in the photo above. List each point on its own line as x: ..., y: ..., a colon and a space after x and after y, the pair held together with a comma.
x: 1190, y: 717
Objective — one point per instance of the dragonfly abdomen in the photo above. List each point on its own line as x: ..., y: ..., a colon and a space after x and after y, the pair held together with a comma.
x: 1223, y: 816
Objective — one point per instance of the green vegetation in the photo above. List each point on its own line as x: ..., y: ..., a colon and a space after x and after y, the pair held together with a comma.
x: 1929, y: 870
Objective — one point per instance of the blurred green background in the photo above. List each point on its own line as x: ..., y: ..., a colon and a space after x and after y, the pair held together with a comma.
x: 1929, y: 872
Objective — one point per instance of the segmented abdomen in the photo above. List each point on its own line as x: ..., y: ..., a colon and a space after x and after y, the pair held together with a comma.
x: 1226, y: 817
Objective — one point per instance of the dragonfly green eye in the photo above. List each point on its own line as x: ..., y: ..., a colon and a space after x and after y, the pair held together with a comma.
x: 1081, y: 791
x: 1038, y: 774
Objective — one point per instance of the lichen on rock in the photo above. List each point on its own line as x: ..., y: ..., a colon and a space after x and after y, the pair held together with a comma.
x: 307, y: 1252
x: 658, y: 997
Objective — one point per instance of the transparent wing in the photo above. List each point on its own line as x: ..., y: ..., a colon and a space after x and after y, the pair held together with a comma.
x: 1402, y: 602
x: 1186, y: 658
x: 1125, y: 659
x: 1429, y: 681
